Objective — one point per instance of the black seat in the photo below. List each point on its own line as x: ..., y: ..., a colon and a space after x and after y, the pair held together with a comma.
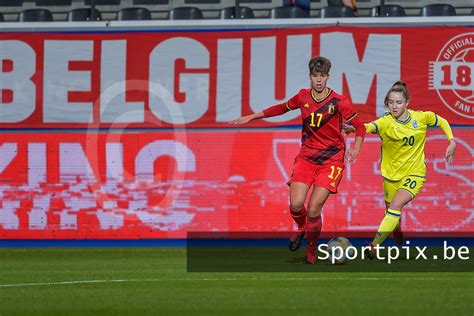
x: 241, y: 13
x: 337, y: 12
x: 148, y: 2
x: 472, y: 12
x: 41, y: 3
x: 335, y: 3
x: 133, y: 14
x: 438, y: 9
x: 35, y: 15
x: 390, y: 10
x: 103, y: 2
x: 1, y: 17
x: 287, y: 13
x: 82, y: 14
x: 11, y: 3
x: 184, y: 13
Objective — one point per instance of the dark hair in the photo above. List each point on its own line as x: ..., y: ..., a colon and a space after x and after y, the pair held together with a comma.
x: 398, y: 86
x: 319, y: 64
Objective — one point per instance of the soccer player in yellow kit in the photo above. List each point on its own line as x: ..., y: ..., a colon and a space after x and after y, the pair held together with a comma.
x: 403, y: 168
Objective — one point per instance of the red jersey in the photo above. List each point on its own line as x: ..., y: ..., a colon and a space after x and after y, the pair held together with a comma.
x: 322, y: 141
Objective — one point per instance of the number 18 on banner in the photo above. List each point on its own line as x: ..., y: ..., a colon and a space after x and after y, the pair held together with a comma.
x: 452, y: 75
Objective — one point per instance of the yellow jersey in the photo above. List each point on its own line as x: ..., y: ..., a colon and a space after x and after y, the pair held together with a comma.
x: 403, y: 142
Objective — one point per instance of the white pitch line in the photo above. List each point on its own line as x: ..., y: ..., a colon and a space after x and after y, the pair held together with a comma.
x: 221, y: 279
x: 59, y: 283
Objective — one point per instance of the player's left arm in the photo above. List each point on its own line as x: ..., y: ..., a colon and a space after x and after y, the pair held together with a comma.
x: 432, y: 119
x: 350, y: 115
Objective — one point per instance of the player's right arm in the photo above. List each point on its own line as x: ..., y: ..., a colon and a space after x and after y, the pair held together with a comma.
x: 372, y: 127
x: 274, y: 110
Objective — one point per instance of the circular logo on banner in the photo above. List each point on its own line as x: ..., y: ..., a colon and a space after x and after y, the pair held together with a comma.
x: 452, y: 75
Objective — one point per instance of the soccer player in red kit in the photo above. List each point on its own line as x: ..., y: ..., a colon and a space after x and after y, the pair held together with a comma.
x: 320, y: 161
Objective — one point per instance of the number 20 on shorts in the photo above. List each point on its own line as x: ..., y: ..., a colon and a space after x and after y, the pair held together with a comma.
x: 411, y: 183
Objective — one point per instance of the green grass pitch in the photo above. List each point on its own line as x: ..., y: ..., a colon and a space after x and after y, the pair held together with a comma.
x: 154, y: 281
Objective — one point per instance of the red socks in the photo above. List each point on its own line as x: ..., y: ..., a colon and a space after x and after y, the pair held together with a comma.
x: 313, y: 229
x: 299, y: 217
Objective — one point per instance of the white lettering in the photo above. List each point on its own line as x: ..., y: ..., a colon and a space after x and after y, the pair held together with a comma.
x: 263, y: 72
x: 59, y: 81
x: 113, y: 85
x: 8, y: 151
x: 381, y: 61
x: 18, y: 80
x: 74, y: 163
x: 185, y: 158
x: 36, y: 163
x: 195, y: 86
x: 229, y: 80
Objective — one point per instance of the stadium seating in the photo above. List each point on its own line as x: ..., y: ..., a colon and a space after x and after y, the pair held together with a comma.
x: 212, y: 9
x: 335, y: 3
x: 35, y: 15
x: 1, y: 17
x: 184, y: 13
x: 53, y: 2
x: 438, y: 9
x: 82, y: 14
x: 11, y: 3
x: 135, y: 13
x: 150, y: 2
x: 389, y: 10
x: 102, y: 2
x: 287, y: 13
x: 41, y: 3
x: 230, y: 13
x: 337, y: 12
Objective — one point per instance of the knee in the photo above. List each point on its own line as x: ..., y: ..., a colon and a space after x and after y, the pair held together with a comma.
x: 315, y: 209
x: 395, y: 206
x: 296, y: 206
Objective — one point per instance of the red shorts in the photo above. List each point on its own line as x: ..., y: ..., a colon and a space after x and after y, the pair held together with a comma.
x: 327, y: 175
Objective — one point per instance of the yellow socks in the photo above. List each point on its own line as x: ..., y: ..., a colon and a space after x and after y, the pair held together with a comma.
x: 388, y: 225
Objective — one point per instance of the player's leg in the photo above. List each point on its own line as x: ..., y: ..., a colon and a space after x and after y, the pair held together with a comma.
x: 397, y: 232
x: 298, y: 192
x: 300, y: 182
x: 392, y: 217
x: 327, y: 180
x: 389, y: 190
x: 316, y: 201
x: 407, y: 189
x: 314, y: 221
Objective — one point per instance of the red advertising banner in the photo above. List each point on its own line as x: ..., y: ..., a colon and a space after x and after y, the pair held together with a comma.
x: 161, y: 185
x: 206, y: 79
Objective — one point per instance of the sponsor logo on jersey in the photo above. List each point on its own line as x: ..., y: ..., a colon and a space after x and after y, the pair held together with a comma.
x: 415, y: 124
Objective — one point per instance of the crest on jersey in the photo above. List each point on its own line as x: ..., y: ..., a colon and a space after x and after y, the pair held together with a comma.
x: 331, y: 108
x: 415, y: 124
